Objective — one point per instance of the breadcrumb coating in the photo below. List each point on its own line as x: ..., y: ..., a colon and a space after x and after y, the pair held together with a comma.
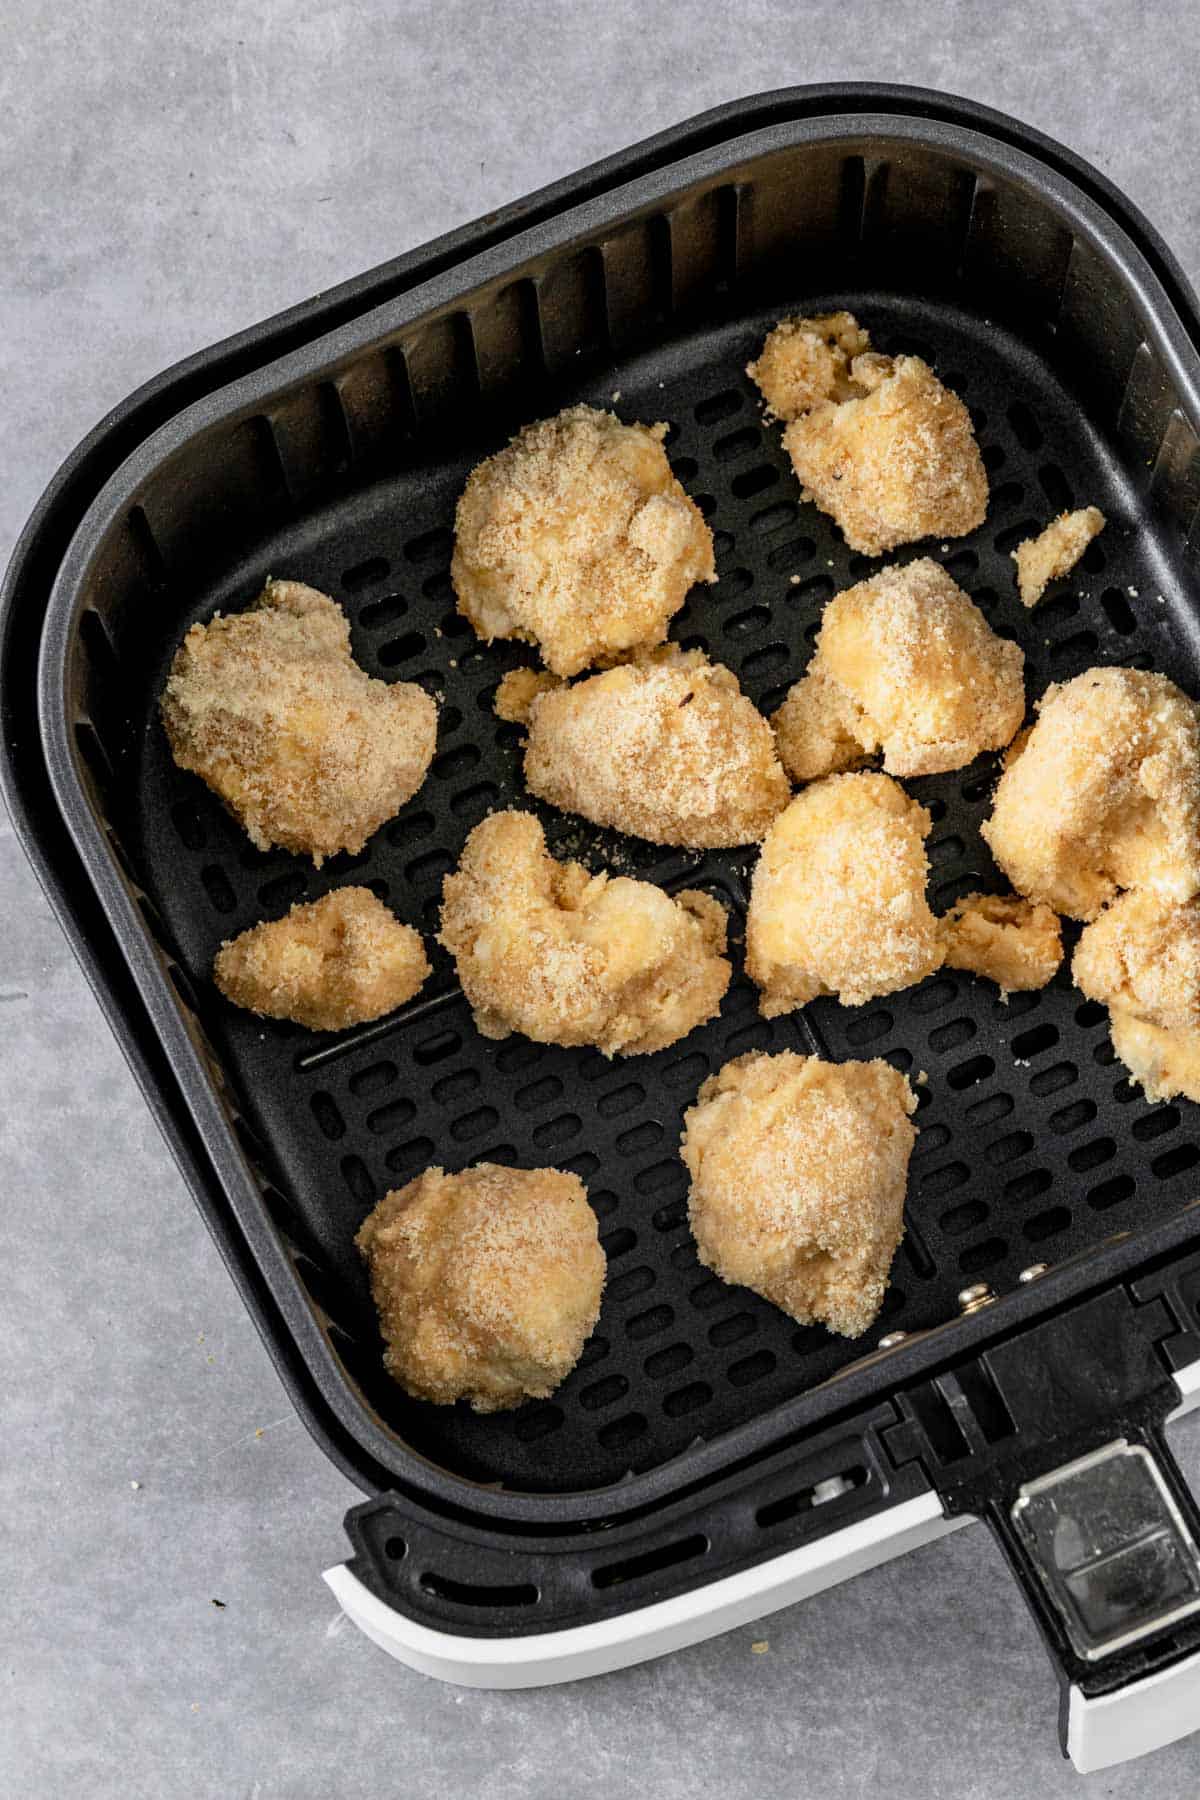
x: 517, y: 692
x: 487, y: 1283
x: 798, y: 1172
x: 327, y: 964
x: 306, y: 749
x: 1103, y: 794
x: 837, y: 902
x: 1163, y: 1063
x: 666, y: 747
x: 565, y: 957
x: 1142, y: 956
x: 577, y: 537
x: 819, y: 729
x: 805, y: 361
x: 1055, y: 551
x: 920, y: 674
x: 1013, y: 942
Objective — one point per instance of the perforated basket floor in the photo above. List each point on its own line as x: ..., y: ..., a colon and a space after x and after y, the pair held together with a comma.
x: 1032, y: 1144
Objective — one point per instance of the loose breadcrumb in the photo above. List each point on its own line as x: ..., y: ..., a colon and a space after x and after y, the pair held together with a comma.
x: 1103, y: 793
x: 1142, y: 956
x: 487, y: 1283
x: 1013, y: 942
x: 1055, y: 551
x: 565, y: 957
x: 517, y: 692
x: 905, y: 663
x: 876, y: 441
x: 666, y: 747
x: 805, y: 361
x: 798, y: 1171
x: 307, y: 751
x: 578, y: 538
x: 837, y: 902
x: 327, y: 964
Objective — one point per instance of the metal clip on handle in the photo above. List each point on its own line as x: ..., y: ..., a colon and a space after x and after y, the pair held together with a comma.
x: 1071, y: 1471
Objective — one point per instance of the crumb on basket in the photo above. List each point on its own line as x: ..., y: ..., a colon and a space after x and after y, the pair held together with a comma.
x: 760, y: 1647
x: 1054, y: 552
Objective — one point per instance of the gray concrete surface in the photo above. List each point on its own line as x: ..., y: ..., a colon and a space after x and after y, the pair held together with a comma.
x: 170, y: 173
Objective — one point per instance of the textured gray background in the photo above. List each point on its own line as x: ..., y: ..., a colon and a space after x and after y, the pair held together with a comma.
x: 170, y: 174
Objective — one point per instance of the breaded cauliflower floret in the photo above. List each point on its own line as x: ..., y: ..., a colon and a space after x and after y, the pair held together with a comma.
x: 1104, y: 793
x: 1142, y: 956
x: 667, y: 748
x: 327, y: 964
x: 1163, y: 1063
x: 837, y: 903
x: 565, y: 957
x: 895, y: 463
x: 876, y: 441
x: 578, y: 538
x: 1010, y: 941
x: 805, y: 361
x: 798, y: 1172
x: 305, y: 748
x: 921, y: 676
x: 1055, y: 551
x: 487, y: 1283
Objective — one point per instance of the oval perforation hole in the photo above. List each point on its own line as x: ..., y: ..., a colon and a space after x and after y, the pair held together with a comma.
x: 669, y: 1361
x: 372, y: 1079
x: 982, y: 1256
x: 365, y: 574
x: 219, y: 888
x: 649, y: 1323
x: 469, y: 1593
x: 717, y: 407
x: 383, y: 612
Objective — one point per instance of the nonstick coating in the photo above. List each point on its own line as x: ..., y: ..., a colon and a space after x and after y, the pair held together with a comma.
x: 1033, y: 1146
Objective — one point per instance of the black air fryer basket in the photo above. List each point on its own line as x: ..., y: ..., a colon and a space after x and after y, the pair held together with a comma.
x: 1045, y: 1296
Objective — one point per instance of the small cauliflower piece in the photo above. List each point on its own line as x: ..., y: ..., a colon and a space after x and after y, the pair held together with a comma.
x: 517, y: 692
x: 666, y: 747
x: 877, y: 442
x: 798, y: 1172
x: 565, y: 957
x: 805, y: 361
x: 921, y: 675
x: 1103, y: 794
x: 1013, y: 942
x: 837, y: 903
x: 327, y: 964
x: 1055, y: 551
x: 578, y: 538
x: 819, y: 729
x: 306, y: 749
x: 1142, y: 956
x: 1163, y: 1063
x: 487, y: 1283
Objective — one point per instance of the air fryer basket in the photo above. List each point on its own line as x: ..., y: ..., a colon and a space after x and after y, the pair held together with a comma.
x: 339, y: 464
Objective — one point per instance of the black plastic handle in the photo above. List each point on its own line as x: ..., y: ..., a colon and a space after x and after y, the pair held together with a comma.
x: 1055, y: 1437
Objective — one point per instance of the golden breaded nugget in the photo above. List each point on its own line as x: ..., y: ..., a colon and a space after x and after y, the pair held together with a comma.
x: 1142, y: 956
x: 837, y: 903
x: 1055, y: 551
x: 921, y: 676
x: 1013, y: 942
x: 487, y: 1283
x: 1163, y: 1063
x: 305, y: 748
x: 327, y: 964
x: 666, y: 747
x: 578, y: 538
x: 895, y: 463
x: 1103, y: 794
x: 565, y: 957
x: 798, y: 1170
